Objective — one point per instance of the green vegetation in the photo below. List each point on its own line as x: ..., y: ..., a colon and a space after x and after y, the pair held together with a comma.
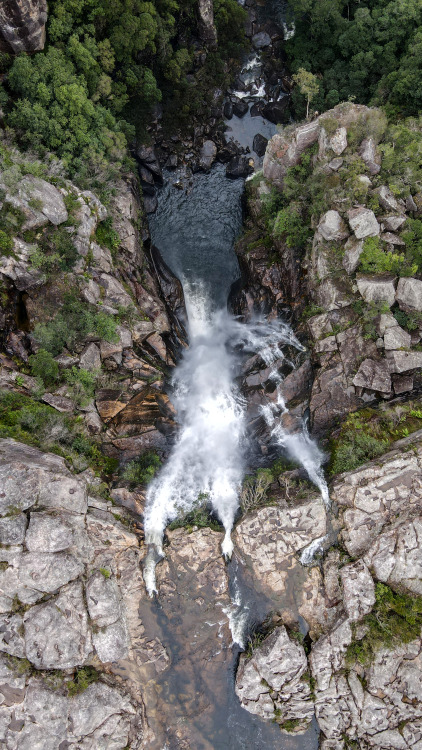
x: 254, y: 492
x: 200, y: 517
x: 25, y: 419
x: 44, y: 367
x: 290, y: 724
x: 395, y: 619
x: 106, y: 64
x: 83, y: 678
x: 375, y: 259
x: 74, y: 321
x: 105, y: 572
x: 82, y: 384
x: 106, y: 236
x: 6, y: 243
x: 56, y: 251
x: 143, y: 469
x: 368, y: 433
x: 367, y: 50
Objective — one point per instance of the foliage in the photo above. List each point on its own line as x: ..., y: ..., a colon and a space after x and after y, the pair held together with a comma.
x: 82, y: 384
x: 374, y: 259
x: 289, y: 226
x: 254, y: 490
x: 410, y: 320
x: 28, y: 421
x: 368, y: 50
x: 395, y: 619
x: 308, y: 86
x: 105, y: 572
x: 57, y: 251
x: 44, y: 367
x: 6, y: 243
x: 74, y: 321
x: 143, y: 469
x: 83, y: 677
x: 201, y: 516
x: 106, y: 236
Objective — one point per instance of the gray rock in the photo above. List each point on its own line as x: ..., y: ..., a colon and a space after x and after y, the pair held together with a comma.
x: 91, y: 292
x: 11, y: 639
x: 111, y: 642
x: 91, y: 709
x: 403, y: 361
x: 261, y: 40
x: 91, y: 358
x: 353, y: 250
x: 47, y: 572
x: 385, y: 321
x: 56, y: 633
x: 377, y: 289
x: 17, y: 267
x: 48, y: 533
x: 387, y: 200
x: 60, y: 403
x: 397, y: 338
x: 402, y: 384
x: 409, y: 294
x: 115, y: 293
x: 373, y: 375
x: 12, y: 529
x: 358, y: 590
x: 102, y: 596
x: 51, y: 200
x: 396, y: 557
x: 392, y: 239
x: 332, y: 227
x: 363, y: 223
x: 206, y: 26
x: 22, y: 26
x: 338, y: 142
x: 393, y: 222
x: 336, y: 163
x: 368, y: 153
x: 207, y: 155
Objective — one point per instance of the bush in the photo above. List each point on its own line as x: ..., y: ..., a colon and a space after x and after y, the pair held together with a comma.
x: 143, y: 469
x: 377, y: 261
x: 6, y: 243
x: 106, y: 236
x: 82, y: 384
x: 254, y: 490
x: 395, y: 619
x: 84, y: 677
x: 359, y: 441
x: 44, y: 367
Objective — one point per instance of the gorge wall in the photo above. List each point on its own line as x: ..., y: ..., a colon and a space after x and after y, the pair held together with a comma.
x: 22, y: 25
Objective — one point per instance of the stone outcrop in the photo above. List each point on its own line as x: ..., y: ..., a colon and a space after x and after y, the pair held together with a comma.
x: 22, y: 25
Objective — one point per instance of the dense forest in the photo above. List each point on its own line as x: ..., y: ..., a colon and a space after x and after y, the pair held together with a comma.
x: 369, y: 51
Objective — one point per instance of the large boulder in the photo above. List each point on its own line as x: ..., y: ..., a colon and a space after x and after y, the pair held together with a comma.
x: 373, y: 375
x: 332, y: 227
x: 377, y: 289
x: 409, y: 294
x: 22, y: 25
x: 49, y: 198
x: 207, y: 155
x: 363, y: 222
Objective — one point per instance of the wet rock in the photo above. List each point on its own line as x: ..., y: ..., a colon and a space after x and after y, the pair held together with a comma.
x: 56, y: 633
x: 228, y: 109
x: 22, y: 25
x: 363, y: 222
x: 260, y: 144
x: 271, y: 536
x: 377, y: 289
x: 207, y: 155
x: 297, y: 383
x: 373, y: 375
x: 148, y: 158
x: 240, y: 107
x: 261, y: 40
x: 409, y: 294
x: 277, y: 112
x: 147, y: 180
x: 239, y: 166
x: 150, y: 203
x: 332, y: 227
x: 271, y: 681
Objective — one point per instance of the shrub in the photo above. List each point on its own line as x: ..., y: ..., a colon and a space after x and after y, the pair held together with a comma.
x: 84, y: 677
x: 106, y: 236
x: 290, y: 226
x: 82, y: 384
x: 395, y: 619
x: 143, y: 469
x: 377, y: 261
x: 44, y: 367
x: 6, y: 243
x: 254, y: 490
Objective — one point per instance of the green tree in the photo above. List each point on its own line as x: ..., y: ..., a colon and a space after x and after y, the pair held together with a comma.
x: 308, y: 86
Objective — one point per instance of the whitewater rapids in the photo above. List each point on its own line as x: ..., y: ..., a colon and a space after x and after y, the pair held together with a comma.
x: 207, y: 461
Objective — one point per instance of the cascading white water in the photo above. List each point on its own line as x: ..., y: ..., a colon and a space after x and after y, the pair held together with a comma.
x: 207, y: 458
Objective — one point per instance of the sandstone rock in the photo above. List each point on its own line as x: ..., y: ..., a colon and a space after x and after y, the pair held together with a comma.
x: 358, y: 590
x: 363, y: 223
x: 373, y: 375
x: 51, y: 200
x: 377, y: 289
x: 332, y: 227
x: 60, y: 403
x: 392, y: 222
x: 319, y: 326
x: 271, y: 680
x: 399, y: 362
x: 392, y: 239
x: 327, y: 655
x: 206, y: 26
x: 207, y: 155
x: 115, y: 294
x: 409, y: 294
x: 397, y: 338
x: 56, y: 633
x: 338, y: 142
x: 110, y: 402
x: 12, y: 529
x: 353, y: 250
x: 48, y: 533
x: 396, y: 557
x: 11, y: 639
x: 47, y: 572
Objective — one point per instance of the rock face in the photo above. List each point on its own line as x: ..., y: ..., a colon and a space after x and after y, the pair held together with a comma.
x: 207, y: 30
x: 22, y: 25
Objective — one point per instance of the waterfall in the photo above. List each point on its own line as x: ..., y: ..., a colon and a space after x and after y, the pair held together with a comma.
x: 207, y: 460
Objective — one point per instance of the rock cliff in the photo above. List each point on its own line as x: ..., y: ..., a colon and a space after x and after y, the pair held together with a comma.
x: 22, y: 25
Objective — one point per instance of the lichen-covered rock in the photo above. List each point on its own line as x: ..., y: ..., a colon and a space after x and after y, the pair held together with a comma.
x: 332, y: 227
x: 363, y: 222
x: 377, y: 289
x: 409, y: 294
x: 358, y: 590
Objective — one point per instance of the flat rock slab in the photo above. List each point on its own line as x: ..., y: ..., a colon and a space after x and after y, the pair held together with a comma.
x: 374, y: 375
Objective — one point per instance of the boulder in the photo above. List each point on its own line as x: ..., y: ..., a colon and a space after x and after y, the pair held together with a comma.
x: 397, y: 338
x: 332, y: 227
x: 409, y: 294
x: 373, y: 375
x: 352, y: 252
x: 207, y: 155
x: 260, y: 144
x: 363, y: 222
x: 240, y: 107
x: 377, y: 289
x: 358, y: 590
x: 283, y: 153
x: 387, y: 200
x: 49, y: 533
x: 239, y: 166
x: 403, y: 361
x: 261, y: 40
x: 50, y: 199
x: 338, y: 142
x: 115, y: 294
x: 22, y: 25
x: 392, y: 223
x: 278, y: 111
x: 368, y: 153
x: 90, y: 358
